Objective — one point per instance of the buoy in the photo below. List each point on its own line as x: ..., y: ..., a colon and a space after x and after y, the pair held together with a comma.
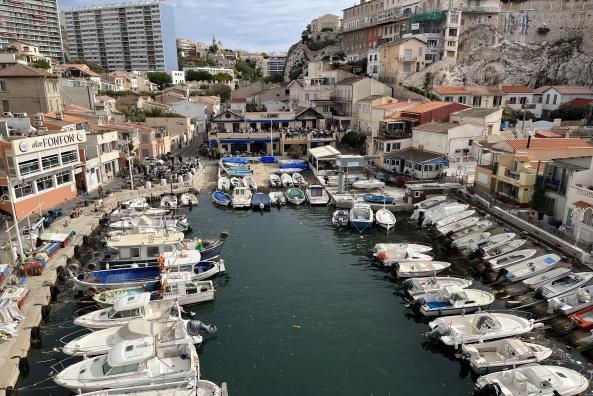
x: 35, y: 337
x: 45, y: 310
x: 23, y: 366
x: 91, y: 266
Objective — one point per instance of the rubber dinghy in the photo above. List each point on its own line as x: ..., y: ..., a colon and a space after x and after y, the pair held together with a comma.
x: 220, y: 198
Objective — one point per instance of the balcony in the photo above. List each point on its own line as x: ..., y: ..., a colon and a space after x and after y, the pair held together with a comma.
x: 512, y: 174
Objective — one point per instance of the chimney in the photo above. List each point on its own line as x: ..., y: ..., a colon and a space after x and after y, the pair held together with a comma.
x: 528, y: 141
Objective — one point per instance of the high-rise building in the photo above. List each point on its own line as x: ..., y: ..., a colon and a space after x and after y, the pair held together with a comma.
x: 36, y: 22
x: 124, y: 36
x: 274, y: 64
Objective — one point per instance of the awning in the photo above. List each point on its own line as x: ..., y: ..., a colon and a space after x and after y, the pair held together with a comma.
x: 583, y: 204
x: 247, y: 140
x: 213, y: 142
x: 323, y: 152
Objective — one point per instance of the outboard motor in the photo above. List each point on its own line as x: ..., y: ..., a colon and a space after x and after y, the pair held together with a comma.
x: 440, y: 330
x: 407, y: 284
x: 195, y: 327
x: 539, y: 293
x: 489, y: 390
x: 394, y: 270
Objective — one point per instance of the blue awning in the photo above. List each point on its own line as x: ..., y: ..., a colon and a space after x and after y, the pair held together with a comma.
x: 213, y: 142
x: 246, y: 140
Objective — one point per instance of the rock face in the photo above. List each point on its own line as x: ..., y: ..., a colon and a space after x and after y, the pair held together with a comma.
x: 300, y: 54
x: 485, y: 58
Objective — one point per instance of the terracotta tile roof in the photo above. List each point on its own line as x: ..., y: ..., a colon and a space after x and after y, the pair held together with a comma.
x: 548, y: 134
x: 484, y: 90
x: 582, y: 204
x: 76, y: 108
x: 511, y: 89
x: 20, y: 70
x: 206, y: 99
x: 541, y: 89
x: 579, y: 102
x: 566, y: 89
x: 549, y: 144
x: 449, y: 90
x: 395, y: 105
x: 426, y: 107
x: 239, y: 100
x: 534, y: 165
x: 130, y: 100
x: 66, y: 118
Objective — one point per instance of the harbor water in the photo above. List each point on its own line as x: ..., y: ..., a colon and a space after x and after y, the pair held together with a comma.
x: 302, y: 310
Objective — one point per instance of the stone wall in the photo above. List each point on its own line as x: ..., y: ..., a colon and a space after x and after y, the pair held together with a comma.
x: 520, y: 22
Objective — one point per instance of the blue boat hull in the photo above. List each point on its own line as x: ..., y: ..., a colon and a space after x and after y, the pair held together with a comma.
x: 263, y: 199
x: 379, y: 199
x: 361, y: 225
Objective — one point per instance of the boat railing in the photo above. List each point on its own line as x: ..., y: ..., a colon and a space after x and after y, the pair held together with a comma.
x: 58, y: 367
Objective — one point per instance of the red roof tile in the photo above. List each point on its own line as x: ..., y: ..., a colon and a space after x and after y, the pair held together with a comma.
x: 548, y: 134
x: 511, y: 89
x: 579, y: 102
x: 548, y: 144
x: 425, y: 107
x: 449, y: 90
x: 19, y: 70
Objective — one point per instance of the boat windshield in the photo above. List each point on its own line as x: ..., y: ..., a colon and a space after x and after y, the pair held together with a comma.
x: 129, y: 313
x: 360, y: 213
x: 128, y: 368
x: 316, y: 192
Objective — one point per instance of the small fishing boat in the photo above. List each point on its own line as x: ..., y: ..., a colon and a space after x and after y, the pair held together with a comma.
x: 533, y: 379
x: 496, y: 251
x: 493, y: 241
x: 286, y: 180
x: 153, y: 213
x: 188, y: 199
x: 385, y: 219
x: 452, y: 301
x: 250, y: 183
x: 144, y: 223
x: 132, y: 363
x: 471, y: 240
x: 441, y: 211
x: 224, y: 184
x: 400, y: 247
x: 532, y: 267
x: 137, y: 306
x: 361, y: 216
x: 235, y: 160
x: 169, y: 202
x: 503, y: 354
x: 316, y: 195
x: 238, y: 172
x: 575, y: 301
x: 430, y: 202
x: 480, y: 226
x: 178, y: 388
x: 539, y: 280
x: 298, y: 179
x: 340, y: 218
x: 277, y: 198
x: 511, y: 258
x: 417, y: 269
x: 260, y: 201
x: 135, y: 203
x: 378, y: 199
x: 479, y: 327
x: 236, y: 182
x: 168, y: 332
x: 241, y: 197
x: 370, y: 184
x: 390, y: 259
x: 432, y: 284
x: 419, y: 212
x: 583, y: 318
x: 454, y: 218
x: 221, y: 198
x: 458, y: 226
x: 295, y: 196
x: 563, y: 285
x: 275, y: 181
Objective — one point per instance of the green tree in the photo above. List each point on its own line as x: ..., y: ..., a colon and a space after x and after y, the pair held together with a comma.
x: 222, y: 77
x: 354, y: 140
x: 295, y: 151
x: 274, y: 78
x: 221, y: 90
x: 198, y: 75
x: 41, y: 64
x: 93, y: 66
x: 213, y: 49
x: 155, y: 112
x: 247, y: 70
x: 428, y: 82
x: 570, y: 112
x: 162, y: 79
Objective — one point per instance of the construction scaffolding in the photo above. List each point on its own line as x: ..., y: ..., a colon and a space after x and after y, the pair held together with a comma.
x: 429, y: 16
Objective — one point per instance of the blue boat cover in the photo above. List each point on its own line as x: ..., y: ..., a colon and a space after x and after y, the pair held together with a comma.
x: 378, y: 198
x: 234, y: 172
x: 437, y: 304
x: 304, y: 165
x: 268, y: 159
x: 222, y: 197
x: 236, y: 160
x: 258, y: 198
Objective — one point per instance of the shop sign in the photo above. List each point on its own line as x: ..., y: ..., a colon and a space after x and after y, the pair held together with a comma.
x: 49, y: 141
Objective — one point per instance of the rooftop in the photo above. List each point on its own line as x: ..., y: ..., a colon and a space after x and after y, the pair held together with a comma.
x: 547, y: 134
x: 511, y: 89
x: 20, y: 70
x: 414, y: 154
x: 395, y: 105
x: 548, y: 144
x: 438, y: 127
x: 371, y: 97
x: 565, y: 89
x: 475, y: 112
x: 449, y: 90
x: 426, y: 107
x: 350, y: 80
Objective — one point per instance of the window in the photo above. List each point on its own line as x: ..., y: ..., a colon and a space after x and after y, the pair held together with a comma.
x: 408, y: 53
x: 5, y: 106
x: 554, y: 101
x: 588, y: 218
x: 407, y: 67
x: 152, y: 251
x: 28, y: 167
x: 513, y: 100
x: 420, y: 51
x: 135, y: 252
x: 51, y: 161
x: 144, y: 138
x: 548, y: 99
x: 69, y: 157
x: 45, y: 183
x: 24, y: 189
x: 497, y: 101
x: 63, y: 177
x: 128, y: 368
x: 461, y: 99
x: 448, y: 98
x: 2, y: 86
x: 477, y: 102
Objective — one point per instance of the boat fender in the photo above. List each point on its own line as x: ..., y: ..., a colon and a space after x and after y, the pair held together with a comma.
x: 53, y: 294
x: 45, y: 310
x: 91, y: 266
x: 61, y: 273
x: 195, y: 327
x: 24, y: 366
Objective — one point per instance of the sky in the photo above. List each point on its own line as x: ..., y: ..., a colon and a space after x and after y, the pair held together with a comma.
x: 252, y: 25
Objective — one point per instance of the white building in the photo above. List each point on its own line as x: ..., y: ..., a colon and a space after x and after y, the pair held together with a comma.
x: 178, y: 77
x: 102, y: 158
x: 447, y: 138
x: 197, y: 112
x: 373, y: 65
x: 124, y: 36
x: 274, y: 64
x: 488, y: 119
x: 552, y: 97
x: 211, y: 70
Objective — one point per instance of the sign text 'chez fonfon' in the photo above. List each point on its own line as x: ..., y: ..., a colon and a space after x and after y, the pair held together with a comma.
x: 40, y: 143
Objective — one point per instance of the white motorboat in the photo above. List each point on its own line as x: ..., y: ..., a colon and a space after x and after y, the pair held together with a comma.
x: 250, y: 183
x: 511, y: 258
x: 341, y: 218
x: 224, y: 184
x: 572, y: 302
x: 135, y: 203
x: 458, y: 225
x: 275, y: 181
x: 188, y: 199
x: 430, y: 202
x: 480, y: 226
x: 564, y: 285
x: 385, y: 219
x: 493, y: 241
x: 316, y: 195
x: 136, y: 306
x: 417, y: 286
x: 361, y: 216
x: 390, y: 259
x: 479, y: 327
x: 145, y: 222
x: 532, y: 267
x: 454, y: 218
x: 533, y: 379
x: 503, y: 354
x: 539, y: 280
x: 167, y: 332
x: 421, y: 212
x: 441, y: 211
x: 120, y: 214
x: 452, y: 301
x: 236, y: 182
x: 471, y: 240
x: 286, y: 180
x: 169, y: 202
x: 370, y: 184
x: 241, y: 197
x: 132, y: 363
x: 400, y: 247
x: 417, y: 269
x: 298, y: 179
x: 495, y: 251
x: 277, y: 198
x: 140, y: 248
x: 180, y: 388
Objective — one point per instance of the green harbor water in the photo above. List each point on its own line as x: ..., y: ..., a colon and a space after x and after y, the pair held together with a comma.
x: 302, y: 310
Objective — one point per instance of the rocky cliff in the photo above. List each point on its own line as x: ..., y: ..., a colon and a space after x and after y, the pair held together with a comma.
x: 486, y: 58
x: 301, y: 53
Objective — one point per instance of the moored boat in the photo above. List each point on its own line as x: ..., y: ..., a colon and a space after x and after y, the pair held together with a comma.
x: 511, y: 258
x: 181, y: 388
x: 221, y: 198
x: 275, y: 180
x: 532, y: 267
x: 480, y: 226
x: 400, y: 247
x: 378, y: 199
x: 430, y: 202
x: 316, y: 195
x: 431, y: 284
x: 454, y: 218
x: 416, y: 269
x: 188, y: 199
x: 575, y: 301
x: 390, y: 259
x: 224, y: 184
x: 503, y: 354
x: 286, y: 180
x: 471, y: 240
x: 452, y: 301
x: 241, y: 197
x: 295, y: 196
x: 564, y: 285
x: 169, y: 202
x: 361, y: 216
x: 298, y: 179
x: 370, y: 184
x: 539, y: 280
x: 340, y: 218
x: 441, y: 211
x: 236, y: 182
x: 250, y: 183
x: 260, y: 201
x: 385, y: 219
x: 277, y: 198
x: 495, y: 251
